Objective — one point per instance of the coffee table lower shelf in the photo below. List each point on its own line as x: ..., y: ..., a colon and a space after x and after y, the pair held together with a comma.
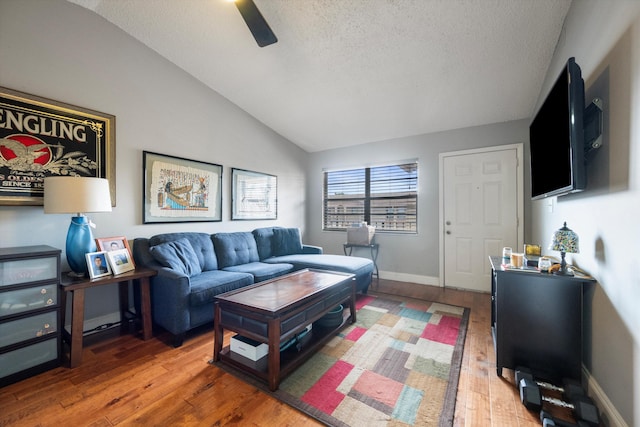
x: 291, y: 358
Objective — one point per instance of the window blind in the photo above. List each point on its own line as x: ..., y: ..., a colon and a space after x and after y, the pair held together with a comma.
x: 383, y: 196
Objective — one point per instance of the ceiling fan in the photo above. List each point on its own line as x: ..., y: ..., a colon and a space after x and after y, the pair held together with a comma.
x: 256, y: 22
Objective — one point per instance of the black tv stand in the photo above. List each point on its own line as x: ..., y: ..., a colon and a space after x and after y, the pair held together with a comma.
x: 536, y: 321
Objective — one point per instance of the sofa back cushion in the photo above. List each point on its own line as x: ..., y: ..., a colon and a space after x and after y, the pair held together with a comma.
x: 263, y: 237
x: 286, y: 241
x: 200, y: 242
x: 277, y: 241
x: 235, y: 248
x: 177, y: 255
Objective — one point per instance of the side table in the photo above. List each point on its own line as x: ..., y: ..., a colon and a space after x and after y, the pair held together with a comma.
x: 77, y: 286
x: 373, y: 247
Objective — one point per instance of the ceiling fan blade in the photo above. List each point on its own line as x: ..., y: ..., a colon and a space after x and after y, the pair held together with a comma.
x: 256, y: 23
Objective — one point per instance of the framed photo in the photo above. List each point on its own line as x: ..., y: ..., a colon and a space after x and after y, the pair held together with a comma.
x: 40, y: 138
x: 97, y: 264
x: 254, y: 195
x: 109, y: 244
x: 180, y: 190
x: 120, y: 261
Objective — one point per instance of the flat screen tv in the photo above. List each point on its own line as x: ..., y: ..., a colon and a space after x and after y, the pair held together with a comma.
x: 556, y: 138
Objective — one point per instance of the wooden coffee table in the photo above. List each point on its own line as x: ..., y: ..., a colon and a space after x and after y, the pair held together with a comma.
x: 276, y: 310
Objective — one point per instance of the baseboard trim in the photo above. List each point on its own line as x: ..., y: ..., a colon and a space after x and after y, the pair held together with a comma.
x: 410, y: 278
x: 609, y: 414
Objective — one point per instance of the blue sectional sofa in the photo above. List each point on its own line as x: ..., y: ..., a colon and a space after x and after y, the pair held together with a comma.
x: 194, y: 267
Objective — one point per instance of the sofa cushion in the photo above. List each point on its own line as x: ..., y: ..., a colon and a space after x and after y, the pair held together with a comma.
x: 235, y: 248
x: 201, y: 243
x: 177, y: 255
x: 346, y: 264
x: 286, y: 241
x: 205, y: 286
x: 262, y: 271
x: 361, y: 267
x: 263, y: 237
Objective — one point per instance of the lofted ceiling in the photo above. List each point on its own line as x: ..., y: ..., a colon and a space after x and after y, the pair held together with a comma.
x: 350, y: 72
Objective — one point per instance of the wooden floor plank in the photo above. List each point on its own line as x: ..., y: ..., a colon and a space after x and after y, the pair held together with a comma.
x: 478, y: 410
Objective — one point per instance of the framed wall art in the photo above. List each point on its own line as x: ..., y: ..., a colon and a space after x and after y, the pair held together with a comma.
x: 254, y: 195
x: 40, y: 138
x: 180, y: 190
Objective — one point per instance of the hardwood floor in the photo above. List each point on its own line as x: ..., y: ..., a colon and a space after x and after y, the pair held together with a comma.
x: 126, y: 381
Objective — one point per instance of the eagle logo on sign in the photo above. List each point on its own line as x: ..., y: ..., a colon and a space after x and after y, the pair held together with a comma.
x: 27, y: 153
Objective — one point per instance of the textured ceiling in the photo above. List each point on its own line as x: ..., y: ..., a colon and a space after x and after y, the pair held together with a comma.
x: 350, y: 72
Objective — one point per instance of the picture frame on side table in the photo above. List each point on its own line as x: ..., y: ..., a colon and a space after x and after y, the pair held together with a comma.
x: 109, y: 244
x: 41, y: 138
x: 180, y: 190
x: 254, y: 195
x: 120, y: 261
x: 97, y: 264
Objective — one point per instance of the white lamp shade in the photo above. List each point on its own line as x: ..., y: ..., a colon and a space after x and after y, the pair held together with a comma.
x: 70, y: 194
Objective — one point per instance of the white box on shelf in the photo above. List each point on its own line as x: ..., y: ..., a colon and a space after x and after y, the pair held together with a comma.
x: 362, y: 235
x: 248, y: 348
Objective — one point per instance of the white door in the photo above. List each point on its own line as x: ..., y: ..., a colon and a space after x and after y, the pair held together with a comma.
x: 481, y: 203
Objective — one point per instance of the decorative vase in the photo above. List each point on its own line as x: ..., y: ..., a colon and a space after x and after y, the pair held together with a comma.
x: 79, y: 242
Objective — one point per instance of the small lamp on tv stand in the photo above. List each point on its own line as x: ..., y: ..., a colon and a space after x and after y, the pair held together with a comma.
x: 564, y: 240
x: 79, y: 195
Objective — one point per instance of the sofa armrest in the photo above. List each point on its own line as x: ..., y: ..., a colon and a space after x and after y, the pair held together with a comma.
x: 310, y: 249
x: 170, y: 293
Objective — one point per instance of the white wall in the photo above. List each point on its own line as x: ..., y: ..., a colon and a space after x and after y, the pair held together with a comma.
x: 61, y: 51
x: 405, y: 257
x: 604, y: 37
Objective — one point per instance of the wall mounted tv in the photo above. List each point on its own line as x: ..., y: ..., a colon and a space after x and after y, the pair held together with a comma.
x: 556, y: 138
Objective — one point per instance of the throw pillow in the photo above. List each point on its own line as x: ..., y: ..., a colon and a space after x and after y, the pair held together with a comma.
x: 177, y: 255
x: 287, y: 241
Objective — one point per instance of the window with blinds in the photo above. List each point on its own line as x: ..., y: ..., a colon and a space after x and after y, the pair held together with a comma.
x: 384, y: 196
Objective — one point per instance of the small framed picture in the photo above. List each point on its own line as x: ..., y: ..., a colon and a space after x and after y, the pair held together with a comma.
x: 109, y: 244
x: 120, y: 261
x: 98, y: 264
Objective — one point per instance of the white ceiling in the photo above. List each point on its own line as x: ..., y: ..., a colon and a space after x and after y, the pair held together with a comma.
x: 347, y: 72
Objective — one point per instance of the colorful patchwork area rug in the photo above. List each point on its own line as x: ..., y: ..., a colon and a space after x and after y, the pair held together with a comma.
x: 398, y: 365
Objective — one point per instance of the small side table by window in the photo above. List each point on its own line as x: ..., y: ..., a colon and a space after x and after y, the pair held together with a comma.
x: 373, y: 247
x: 77, y: 286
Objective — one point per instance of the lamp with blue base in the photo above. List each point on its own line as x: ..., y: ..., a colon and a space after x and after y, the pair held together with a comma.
x: 79, y: 242
x: 77, y: 195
